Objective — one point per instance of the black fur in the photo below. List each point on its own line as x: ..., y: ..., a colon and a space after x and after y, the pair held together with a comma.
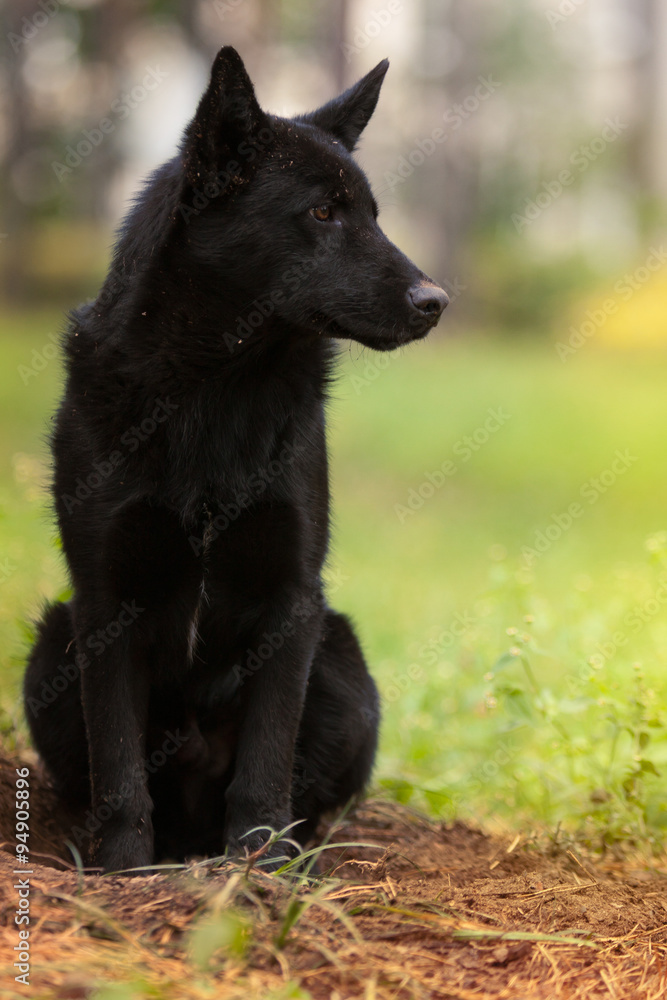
x: 197, y: 685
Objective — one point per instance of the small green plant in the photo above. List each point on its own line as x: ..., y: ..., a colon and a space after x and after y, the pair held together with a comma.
x: 293, y: 889
x: 227, y: 931
x: 596, y: 764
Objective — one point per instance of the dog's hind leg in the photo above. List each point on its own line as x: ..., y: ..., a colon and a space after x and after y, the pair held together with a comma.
x: 52, y: 700
x: 338, y: 733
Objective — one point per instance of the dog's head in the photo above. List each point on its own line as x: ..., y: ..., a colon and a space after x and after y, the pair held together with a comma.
x: 279, y: 210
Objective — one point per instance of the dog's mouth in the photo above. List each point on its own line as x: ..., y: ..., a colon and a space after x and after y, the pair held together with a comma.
x: 380, y: 339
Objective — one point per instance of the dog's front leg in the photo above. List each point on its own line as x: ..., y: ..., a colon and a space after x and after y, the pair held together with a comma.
x: 138, y: 625
x: 273, y: 686
x: 114, y: 691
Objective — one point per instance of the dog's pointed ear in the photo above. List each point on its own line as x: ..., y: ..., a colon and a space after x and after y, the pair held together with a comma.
x: 348, y: 115
x: 228, y: 114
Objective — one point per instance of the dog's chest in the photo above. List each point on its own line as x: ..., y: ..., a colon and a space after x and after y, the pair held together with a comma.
x: 243, y: 449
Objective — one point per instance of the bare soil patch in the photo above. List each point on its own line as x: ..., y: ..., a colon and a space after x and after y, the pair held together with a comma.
x: 431, y: 910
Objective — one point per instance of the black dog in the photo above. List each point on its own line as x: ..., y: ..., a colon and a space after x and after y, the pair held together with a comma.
x: 197, y: 685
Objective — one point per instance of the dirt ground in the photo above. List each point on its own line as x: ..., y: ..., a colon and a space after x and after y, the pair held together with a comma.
x: 430, y: 910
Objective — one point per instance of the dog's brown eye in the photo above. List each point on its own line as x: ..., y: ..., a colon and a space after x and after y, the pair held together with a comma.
x: 322, y: 213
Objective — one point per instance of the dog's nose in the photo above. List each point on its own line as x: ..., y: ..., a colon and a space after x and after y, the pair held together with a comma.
x: 430, y: 300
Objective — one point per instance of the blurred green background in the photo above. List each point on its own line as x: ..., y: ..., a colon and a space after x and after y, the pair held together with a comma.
x: 500, y: 490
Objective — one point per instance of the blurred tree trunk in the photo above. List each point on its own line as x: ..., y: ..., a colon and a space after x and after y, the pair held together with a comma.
x: 15, y: 213
x: 111, y: 24
x: 652, y: 145
x: 104, y: 31
x: 337, y: 17
x: 450, y: 186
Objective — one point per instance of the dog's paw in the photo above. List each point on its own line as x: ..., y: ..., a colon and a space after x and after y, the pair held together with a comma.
x: 126, y: 849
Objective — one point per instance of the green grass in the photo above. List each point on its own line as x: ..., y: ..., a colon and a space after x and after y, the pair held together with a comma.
x: 30, y: 565
x: 542, y: 733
